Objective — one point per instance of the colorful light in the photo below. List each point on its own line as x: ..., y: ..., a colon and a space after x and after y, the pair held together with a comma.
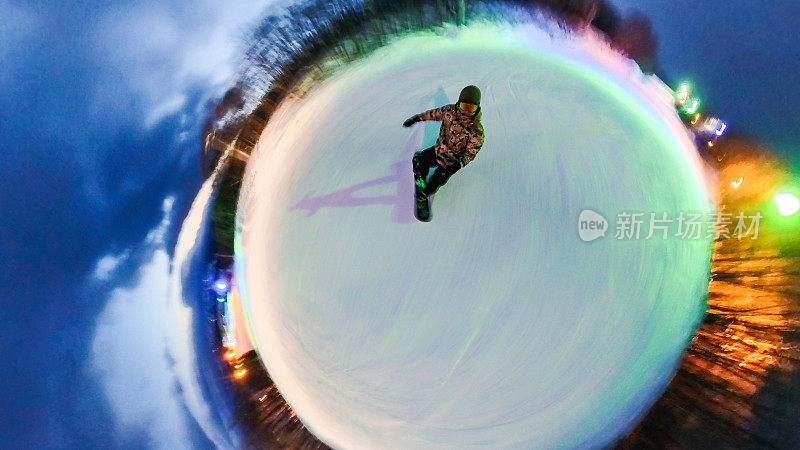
x: 683, y: 93
x: 692, y: 109
x: 787, y: 204
x: 221, y: 286
x: 721, y: 128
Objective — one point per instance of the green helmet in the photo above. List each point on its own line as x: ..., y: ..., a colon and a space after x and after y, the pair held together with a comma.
x: 470, y: 94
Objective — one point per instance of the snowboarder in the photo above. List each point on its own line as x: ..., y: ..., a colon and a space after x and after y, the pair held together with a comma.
x: 460, y: 138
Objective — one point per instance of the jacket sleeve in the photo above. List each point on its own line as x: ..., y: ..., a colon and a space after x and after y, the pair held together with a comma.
x: 432, y: 114
x: 474, y: 145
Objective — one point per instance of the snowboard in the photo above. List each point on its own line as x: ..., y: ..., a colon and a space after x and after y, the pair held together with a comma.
x: 422, y: 210
x: 422, y: 207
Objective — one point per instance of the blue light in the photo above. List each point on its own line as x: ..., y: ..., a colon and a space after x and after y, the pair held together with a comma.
x: 221, y: 287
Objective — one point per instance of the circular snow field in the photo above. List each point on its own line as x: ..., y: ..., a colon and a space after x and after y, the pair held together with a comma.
x: 494, y: 325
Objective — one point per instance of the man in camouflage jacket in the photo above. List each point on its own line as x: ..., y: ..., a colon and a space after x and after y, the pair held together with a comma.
x: 460, y: 138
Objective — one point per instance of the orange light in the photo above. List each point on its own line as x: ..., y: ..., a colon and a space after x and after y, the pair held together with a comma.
x: 710, y: 144
x: 240, y: 373
x: 230, y: 354
x: 696, y: 118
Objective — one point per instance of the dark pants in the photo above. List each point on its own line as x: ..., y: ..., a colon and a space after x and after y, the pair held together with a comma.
x: 423, y: 161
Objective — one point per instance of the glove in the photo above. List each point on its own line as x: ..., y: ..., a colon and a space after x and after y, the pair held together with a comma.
x: 411, y: 121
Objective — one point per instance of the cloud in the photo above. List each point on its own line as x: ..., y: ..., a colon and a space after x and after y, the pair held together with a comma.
x: 108, y: 264
x: 129, y: 355
x: 157, y: 234
x: 164, y: 110
x: 161, y: 50
x: 143, y: 347
x: 17, y: 24
x: 130, y: 350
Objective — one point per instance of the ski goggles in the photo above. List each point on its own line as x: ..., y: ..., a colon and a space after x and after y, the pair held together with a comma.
x: 468, y: 108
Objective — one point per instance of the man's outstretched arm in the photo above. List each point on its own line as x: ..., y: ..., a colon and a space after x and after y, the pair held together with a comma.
x: 431, y: 114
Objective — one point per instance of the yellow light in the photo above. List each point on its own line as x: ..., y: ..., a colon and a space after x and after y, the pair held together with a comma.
x: 240, y: 373
x: 237, y: 366
x: 737, y: 183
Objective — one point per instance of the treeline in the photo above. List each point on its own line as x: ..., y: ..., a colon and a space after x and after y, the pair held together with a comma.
x: 308, y: 40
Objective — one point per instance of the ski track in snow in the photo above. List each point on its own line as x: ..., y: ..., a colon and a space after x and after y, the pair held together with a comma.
x: 494, y: 325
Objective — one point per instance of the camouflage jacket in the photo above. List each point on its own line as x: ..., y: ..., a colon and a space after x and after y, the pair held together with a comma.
x: 460, y: 136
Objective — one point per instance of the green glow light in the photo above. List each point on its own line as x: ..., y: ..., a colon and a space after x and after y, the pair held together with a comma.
x: 787, y: 203
x: 692, y: 109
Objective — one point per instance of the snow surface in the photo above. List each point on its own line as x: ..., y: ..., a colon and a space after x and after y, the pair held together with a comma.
x: 494, y: 325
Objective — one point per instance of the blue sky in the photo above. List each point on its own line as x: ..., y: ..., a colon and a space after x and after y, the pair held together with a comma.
x: 742, y: 56
x: 100, y: 105
x: 100, y: 109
